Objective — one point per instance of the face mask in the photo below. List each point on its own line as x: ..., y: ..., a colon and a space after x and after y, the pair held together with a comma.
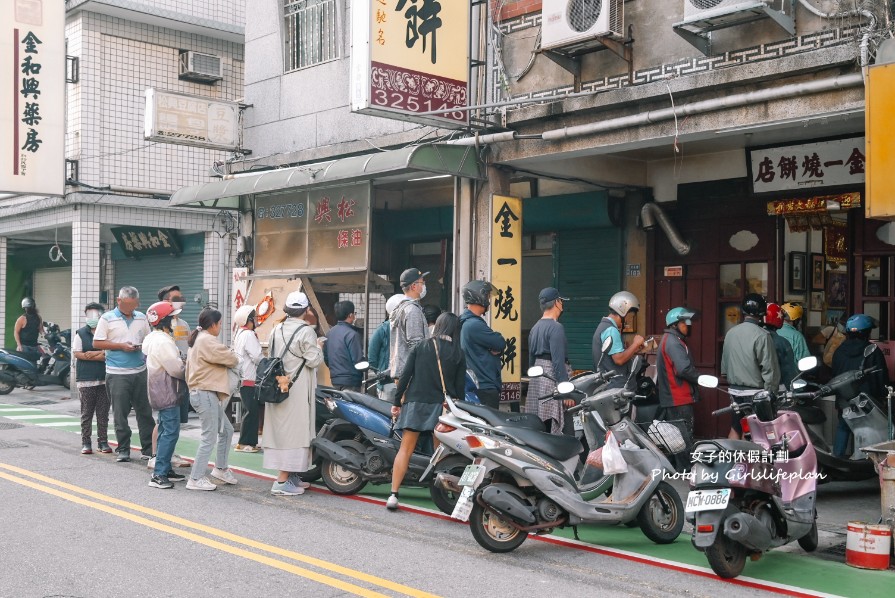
x: 178, y: 304
x: 423, y: 292
x: 92, y: 322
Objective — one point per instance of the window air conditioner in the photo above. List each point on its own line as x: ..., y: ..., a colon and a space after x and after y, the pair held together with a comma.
x: 204, y: 68
x: 719, y: 9
x: 575, y: 24
x: 701, y: 17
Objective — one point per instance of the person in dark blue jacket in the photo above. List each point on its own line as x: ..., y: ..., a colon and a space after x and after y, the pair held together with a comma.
x: 481, y: 345
x: 343, y: 349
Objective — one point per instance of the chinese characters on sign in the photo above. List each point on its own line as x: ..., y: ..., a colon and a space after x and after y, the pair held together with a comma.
x: 239, y: 293
x: 506, y: 276
x: 33, y: 77
x: 398, y: 67
x: 823, y: 164
x: 191, y: 120
x: 333, y: 237
x: 139, y: 241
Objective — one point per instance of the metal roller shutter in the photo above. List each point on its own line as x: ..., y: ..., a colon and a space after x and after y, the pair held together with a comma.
x: 588, y: 272
x: 149, y: 274
x: 52, y: 293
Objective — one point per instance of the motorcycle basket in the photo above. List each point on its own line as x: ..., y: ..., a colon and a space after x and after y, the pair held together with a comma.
x: 669, y: 435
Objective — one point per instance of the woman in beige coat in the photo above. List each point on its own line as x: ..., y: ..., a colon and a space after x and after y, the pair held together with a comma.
x: 289, y: 426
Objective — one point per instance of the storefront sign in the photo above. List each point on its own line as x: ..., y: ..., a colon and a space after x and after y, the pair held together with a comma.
x: 843, y: 201
x: 239, y: 293
x: 137, y: 241
x: 191, y: 120
x: 313, y: 231
x: 822, y: 164
x: 506, y: 276
x: 32, y: 110
x: 674, y: 271
x: 411, y: 56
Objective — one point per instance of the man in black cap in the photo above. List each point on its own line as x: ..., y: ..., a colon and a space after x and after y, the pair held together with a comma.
x: 548, y: 347
x: 408, y: 323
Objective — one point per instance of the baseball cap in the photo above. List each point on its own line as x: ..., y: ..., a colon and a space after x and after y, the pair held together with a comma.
x: 550, y: 294
x: 296, y: 300
x: 159, y: 311
x: 411, y: 275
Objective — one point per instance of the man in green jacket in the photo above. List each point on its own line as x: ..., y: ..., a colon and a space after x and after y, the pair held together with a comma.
x: 792, y: 315
x: 749, y: 359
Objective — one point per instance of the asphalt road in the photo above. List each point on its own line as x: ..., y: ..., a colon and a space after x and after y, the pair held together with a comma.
x: 85, y: 526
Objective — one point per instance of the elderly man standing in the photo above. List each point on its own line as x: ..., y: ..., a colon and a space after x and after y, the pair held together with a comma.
x: 120, y: 334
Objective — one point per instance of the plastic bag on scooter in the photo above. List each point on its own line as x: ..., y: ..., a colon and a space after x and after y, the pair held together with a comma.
x: 613, y: 460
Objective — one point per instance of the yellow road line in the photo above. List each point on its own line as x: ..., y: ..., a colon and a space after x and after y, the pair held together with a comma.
x: 309, y: 560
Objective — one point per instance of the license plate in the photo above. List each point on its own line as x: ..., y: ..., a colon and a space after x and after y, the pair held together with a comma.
x: 463, y: 508
x: 579, y: 421
x: 707, y: 500
x: 470, y: 475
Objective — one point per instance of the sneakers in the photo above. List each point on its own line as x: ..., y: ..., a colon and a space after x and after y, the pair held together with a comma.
x: 297, y: 481
x: 145, y: 457
x: 87, y: 449
x: 178, y: 461
x: 392, y: 503
x: 123, y: 457
x: 174, y: 476
x: 202, y: 483
x: 286, y: 488
x: 103, y: 447
x: 160, y: 481
x: 151, y: 463
x: 224, y: 475
x: 246, y: 448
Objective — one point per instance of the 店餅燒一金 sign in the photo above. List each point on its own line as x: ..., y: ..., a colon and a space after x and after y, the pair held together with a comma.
x: 411, y: 56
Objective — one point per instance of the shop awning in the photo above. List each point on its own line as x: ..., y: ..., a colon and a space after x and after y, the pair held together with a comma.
x: 394, y: 165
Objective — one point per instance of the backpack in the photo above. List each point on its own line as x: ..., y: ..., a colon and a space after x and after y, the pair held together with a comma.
x: 267, y: 387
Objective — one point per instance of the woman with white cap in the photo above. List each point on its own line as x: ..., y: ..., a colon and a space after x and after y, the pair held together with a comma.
x: 248, y: 350
x: 289, y: 426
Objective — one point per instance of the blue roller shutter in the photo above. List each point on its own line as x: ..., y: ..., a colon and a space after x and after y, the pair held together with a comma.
x: 588, y: 271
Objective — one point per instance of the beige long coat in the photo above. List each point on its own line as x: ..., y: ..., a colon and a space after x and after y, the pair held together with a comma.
x: 290, y: 424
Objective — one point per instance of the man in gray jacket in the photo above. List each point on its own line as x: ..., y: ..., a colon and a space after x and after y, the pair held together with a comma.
x: 408, y: 324
x: 749, y: 359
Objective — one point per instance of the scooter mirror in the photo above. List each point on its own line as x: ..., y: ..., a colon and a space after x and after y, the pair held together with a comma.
x: 868, y: 350
x: 535, y: 371
x: 362, y: 365
x: 708, y: 381
x: 635, y: 369
x: 607, y: 344
x: 799, y: 384
x: 565, y: 388
x: 808, y: 363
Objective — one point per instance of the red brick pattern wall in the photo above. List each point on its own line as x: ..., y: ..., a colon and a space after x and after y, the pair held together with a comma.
x: 514, y: 8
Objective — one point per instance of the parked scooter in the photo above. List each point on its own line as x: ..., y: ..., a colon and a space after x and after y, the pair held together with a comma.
x: 16, y: 369
x: 863, y: 415
x: 747, y: 497
x: 524, y: 481
x: 56, y: 358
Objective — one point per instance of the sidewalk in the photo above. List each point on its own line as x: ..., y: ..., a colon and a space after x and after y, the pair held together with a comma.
x: 824, y: 570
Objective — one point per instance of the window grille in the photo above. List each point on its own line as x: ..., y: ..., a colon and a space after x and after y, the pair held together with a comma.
x: 311, y: 33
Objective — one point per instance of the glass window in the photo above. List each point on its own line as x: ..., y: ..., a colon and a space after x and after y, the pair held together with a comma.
x: 757, y: 278
x: 731, y: 283
x: 311, y: 33
x: 876, y: 271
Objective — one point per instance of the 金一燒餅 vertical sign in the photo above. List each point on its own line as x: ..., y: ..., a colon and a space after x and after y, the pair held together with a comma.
x: 410, y: 57
x: 506, y: 276
x: 32, y: 84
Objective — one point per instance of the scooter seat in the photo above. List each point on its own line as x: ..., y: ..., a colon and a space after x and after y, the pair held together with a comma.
x: 376, y: 404
x: 494, y: 417
x: 560, y: 447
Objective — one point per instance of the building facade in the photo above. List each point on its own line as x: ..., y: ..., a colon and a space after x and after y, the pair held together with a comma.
x: 113, y: 226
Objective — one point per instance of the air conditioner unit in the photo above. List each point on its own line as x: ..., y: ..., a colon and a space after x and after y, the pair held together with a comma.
x: 574, y: 25
x: 197, y: 66
x: 701, y: 17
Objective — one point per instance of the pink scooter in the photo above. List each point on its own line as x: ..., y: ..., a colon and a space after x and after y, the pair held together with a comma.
x: 747, y: 497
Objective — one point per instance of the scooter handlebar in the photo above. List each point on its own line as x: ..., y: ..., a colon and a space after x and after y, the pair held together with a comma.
x: 728, y: 409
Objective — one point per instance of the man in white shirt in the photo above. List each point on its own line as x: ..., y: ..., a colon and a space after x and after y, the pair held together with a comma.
x: 120, y: 334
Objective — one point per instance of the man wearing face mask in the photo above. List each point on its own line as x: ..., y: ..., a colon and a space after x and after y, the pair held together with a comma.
x: 182, y: 330
x: 90, y: 376
x: 676, y: 376
x: 481, y: 345
x: 408, y: 323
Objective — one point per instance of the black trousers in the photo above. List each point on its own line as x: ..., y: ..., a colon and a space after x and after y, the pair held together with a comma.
x: 490, y: 397
x: 248, y: 432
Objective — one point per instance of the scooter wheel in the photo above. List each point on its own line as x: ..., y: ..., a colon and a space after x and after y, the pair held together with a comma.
x: 726, y: 557
x: 493, y: 532
x: 661, y: 518
x: 809, y: 541
x: 339, y: 479
x: 445, y: 500
x: 6, y: 387
x: 66, y: 380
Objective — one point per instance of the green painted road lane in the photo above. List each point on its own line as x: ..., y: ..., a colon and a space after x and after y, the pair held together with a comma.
x: 791, y: 569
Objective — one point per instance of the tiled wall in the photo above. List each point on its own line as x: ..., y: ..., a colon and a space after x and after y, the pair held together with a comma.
x: 377, y: 310
x: 85, y: 271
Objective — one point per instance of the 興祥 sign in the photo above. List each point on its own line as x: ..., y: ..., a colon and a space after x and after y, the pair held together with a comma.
x: 411, y: 56
x: 32, y: 110
x: 191, y: 120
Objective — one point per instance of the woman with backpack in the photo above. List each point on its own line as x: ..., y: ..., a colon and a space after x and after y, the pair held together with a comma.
x: 435, y: 367
x: 289, y: 425
x: 207, y: 364
x: 248, y: 350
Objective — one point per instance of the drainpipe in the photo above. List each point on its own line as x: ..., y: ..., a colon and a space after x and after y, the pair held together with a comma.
x: 858, y: 12
x: 652, y: 214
